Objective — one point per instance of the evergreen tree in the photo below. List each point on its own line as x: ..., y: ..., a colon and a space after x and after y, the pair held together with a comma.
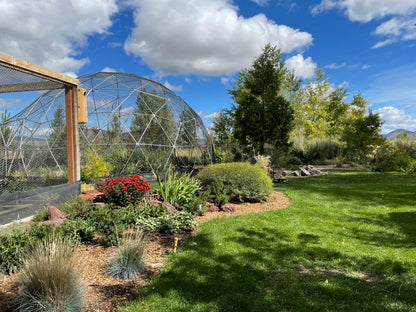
x: 262, y: 114
x: 57, y: 136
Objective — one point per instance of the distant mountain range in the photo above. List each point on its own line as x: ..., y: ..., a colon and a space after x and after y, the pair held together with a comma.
x: 392, y: 135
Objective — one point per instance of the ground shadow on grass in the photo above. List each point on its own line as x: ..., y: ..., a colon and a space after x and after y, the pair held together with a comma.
x: 266, y: 270
x: 400, y: 233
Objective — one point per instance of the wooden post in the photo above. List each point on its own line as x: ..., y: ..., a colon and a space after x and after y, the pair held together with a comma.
x: 72, y: 143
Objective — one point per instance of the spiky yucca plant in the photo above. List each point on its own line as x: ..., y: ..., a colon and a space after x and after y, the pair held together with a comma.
x: 127, y: 262
x: 50, y: 279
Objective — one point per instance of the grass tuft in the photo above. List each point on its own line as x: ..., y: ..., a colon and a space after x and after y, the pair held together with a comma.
x: 128, y: 260
x: 50, y: 278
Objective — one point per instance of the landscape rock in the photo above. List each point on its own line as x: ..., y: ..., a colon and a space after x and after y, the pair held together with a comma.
x: 99, y: 204
x: 213, y: 208
x: 304, y: 172
x: 54, y: 213
x: 92, y: 196
x: 169, y: 206
x: 227, y: 208
x: 178, y: 207
x: 55, y: 217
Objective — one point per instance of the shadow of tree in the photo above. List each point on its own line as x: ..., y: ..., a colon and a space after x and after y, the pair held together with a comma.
x: 271, y: 268
x: 273, y: 272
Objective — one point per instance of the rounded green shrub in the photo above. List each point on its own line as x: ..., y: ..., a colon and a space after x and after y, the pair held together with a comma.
x: 243, y: 181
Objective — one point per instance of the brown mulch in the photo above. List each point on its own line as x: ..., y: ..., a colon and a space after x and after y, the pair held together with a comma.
x: 104, y: 293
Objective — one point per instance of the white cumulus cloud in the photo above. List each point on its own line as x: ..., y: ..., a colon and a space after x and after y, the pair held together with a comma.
x: 204, y: 37
x: 395, y: 118
x: 303, y: 68
x: 402, y: 15
x: 176, y: 88
x: 49, y: 33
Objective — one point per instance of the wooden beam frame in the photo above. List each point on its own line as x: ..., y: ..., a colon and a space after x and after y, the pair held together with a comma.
x: 50, y: 80
x: 36, y: 70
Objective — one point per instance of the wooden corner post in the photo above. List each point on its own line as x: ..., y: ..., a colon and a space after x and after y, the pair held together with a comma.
x: 72, y: 140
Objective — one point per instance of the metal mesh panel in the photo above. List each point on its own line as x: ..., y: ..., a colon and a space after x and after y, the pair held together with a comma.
x: 20, y: 205
x: 135, y: 124
x: 138, y: 125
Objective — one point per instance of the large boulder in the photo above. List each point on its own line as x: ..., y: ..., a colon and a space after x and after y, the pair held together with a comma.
x: 55, y: 217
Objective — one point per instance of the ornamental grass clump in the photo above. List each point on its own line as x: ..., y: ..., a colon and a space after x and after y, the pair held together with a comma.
x: 124, y: 191
x: 50, y: 278
x: 128, y: 260
x: 179, y: 189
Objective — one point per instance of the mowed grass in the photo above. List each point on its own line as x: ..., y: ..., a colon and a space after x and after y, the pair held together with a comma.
x: 347, y: 242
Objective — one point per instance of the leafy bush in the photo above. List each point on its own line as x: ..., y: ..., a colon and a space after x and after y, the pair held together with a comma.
x: 41, y: 215
x: 124, y: 191
x: 12, y: 247
x: 178, y: 188
x: 244, y: 182
x: 219, y: 194
x: 50, y: 278
x: 75, y: 208
x: 95, y: 168
x: 177, y: 222
x: 128, y: 260
x: 107, y: 223
x: 395, y: 156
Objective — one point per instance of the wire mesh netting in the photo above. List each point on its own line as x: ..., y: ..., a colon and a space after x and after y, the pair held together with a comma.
x: 135, y: 125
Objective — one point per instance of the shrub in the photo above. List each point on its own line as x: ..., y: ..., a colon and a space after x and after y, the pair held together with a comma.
x: 244, y: 182
x: 178, y: 188
x: 75, y: 208
x: 124, y: 191
x: 12, y: 247
x: 128, y: 260
x: 395, y: 156
x: 41, y: 215
x: 107, y: 223
x: 50, y: 278
x: 177, y: 222
x: 95, y: 168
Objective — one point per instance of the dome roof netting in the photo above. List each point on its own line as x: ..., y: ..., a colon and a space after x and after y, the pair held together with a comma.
x: 134, y: 124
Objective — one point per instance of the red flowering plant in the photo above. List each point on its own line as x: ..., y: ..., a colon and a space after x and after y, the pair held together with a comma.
x: 124, y: 191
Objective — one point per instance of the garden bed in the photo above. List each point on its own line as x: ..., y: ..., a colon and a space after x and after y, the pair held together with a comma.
x: 105, y: 293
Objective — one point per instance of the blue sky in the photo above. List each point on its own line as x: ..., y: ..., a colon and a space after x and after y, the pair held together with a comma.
x: 197, y: 47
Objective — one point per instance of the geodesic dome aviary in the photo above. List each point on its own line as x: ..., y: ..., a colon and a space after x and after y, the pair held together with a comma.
x: 134, y: 124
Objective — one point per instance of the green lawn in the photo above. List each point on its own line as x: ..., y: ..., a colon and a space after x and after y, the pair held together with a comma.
x: 347, y: 242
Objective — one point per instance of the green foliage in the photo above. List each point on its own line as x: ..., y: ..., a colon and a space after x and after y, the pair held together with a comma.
x: 108, y: 224
x: 41, y: 215
x: 395, y: 156
x: 262, y: 115
x: 75, y: 208
x: 153, y: 119
x: 12, y: 247
x: 57, y: 137
x: 176, y: 222
x: 94, y: 168
x: 127, y: 263
x: 50, y: 279
x: 222, y: 128
x: 244, y: 182
x: 178, y: 188
x: 124, y: 191
x: 219, y: 194
x: 362, y: 134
